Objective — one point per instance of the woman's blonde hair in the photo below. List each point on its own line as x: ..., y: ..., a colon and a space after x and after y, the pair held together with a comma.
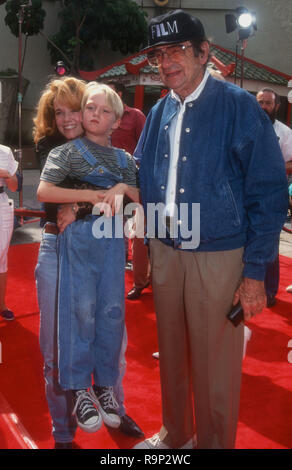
x: 112, y: 98
x: 67, y: 91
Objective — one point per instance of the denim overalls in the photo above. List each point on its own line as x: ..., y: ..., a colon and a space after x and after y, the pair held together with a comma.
x: 91, y: 293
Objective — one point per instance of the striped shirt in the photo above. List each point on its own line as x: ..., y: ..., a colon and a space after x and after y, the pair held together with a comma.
x: 66, y: 161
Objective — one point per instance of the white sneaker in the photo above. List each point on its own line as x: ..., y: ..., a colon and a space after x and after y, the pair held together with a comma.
x: 155, y: 442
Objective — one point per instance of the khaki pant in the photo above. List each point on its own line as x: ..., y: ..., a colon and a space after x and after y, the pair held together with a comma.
x: 200, y: 351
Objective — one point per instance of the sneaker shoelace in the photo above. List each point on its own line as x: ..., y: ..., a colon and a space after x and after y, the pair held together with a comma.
x: 107, y: 398
x: 84, y: 404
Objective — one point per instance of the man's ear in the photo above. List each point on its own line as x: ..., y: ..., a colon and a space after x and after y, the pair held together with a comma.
x: 205, y: 48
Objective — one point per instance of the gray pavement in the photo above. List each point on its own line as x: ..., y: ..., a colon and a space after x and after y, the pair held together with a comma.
x: 31, y: 232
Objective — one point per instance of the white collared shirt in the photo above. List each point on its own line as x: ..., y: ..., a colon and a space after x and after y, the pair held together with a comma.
x: 7, y: 162
x: 284, y: 134
x: 174, y: 135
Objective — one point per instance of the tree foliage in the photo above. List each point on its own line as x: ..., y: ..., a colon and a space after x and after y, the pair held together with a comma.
x: 33, y: 17
x: 84, y: 24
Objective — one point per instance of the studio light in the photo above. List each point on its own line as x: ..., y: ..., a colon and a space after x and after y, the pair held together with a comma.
x: 242, y: 20
x: 245, y: 20
x: 61, y: 69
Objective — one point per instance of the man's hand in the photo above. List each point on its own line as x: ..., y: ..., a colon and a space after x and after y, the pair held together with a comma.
x: 252, y: 296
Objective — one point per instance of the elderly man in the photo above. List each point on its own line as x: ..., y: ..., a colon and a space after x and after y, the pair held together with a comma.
x: 269, y: 101
x: 204, y: 144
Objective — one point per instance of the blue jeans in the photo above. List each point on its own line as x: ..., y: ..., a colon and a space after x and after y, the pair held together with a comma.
x: 118, y: 388
x: 91, y: 306
x: 59, y: 402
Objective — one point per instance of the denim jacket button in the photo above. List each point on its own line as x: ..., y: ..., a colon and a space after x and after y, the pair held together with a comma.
x: 188, y: 130
x: 181, y: 190
x: 162, y: 186
x: 165, y: 128
x: 184, y: 158
x: 166, y: 155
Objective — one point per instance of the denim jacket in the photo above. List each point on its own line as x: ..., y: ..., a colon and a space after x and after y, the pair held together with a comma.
x: 229, y: 162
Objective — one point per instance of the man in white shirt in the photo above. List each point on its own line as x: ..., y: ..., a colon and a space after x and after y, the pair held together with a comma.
x: 270, y: 103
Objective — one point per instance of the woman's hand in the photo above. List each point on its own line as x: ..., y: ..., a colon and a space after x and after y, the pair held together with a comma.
x: 66, y: 215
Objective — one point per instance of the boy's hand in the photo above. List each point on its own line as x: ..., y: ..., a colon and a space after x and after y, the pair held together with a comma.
x: 113, y: 200
x: 95, y: 196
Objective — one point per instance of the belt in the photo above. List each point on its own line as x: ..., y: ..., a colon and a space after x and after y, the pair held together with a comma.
x: 1, y: 189
x: 51, y: 228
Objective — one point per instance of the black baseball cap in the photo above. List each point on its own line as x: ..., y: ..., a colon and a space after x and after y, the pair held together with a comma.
x: 174, y: 27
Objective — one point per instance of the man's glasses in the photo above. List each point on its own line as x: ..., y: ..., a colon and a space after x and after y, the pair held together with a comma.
x: 175, y: 52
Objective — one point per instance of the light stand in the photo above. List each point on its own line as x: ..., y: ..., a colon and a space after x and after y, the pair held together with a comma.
x: 243, y: 44
x: 244, y: 22
x: 20, y: 95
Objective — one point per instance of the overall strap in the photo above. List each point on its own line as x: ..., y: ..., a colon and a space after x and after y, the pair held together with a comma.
x: 86, y: 154
x: 122, y: 158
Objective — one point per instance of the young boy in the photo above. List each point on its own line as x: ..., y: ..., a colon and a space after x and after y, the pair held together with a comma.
x: 91, y: 273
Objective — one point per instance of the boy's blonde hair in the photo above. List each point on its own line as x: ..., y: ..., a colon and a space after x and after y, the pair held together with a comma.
x: 112, y: 98
x: 67, y: 91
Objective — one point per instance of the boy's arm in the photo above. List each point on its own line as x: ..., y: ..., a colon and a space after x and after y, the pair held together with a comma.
x: 49, y: 192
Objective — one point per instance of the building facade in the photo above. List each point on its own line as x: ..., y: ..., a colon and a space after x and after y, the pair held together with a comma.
x: 271, y: 45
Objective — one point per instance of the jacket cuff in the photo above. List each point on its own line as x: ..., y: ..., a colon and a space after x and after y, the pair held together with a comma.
x: 254, y: 271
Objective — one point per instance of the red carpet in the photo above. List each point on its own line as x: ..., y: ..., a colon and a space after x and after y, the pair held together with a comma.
x: 265, y: 420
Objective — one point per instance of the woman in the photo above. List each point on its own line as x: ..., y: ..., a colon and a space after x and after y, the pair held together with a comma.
x: 58, y: 120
